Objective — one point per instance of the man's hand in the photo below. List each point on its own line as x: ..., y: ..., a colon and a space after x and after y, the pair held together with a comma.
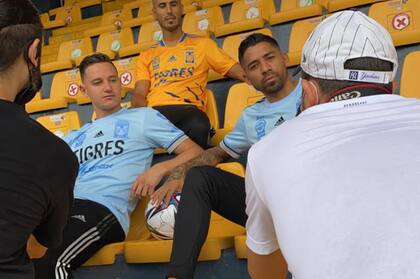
x: 147, y: 181
x: 165, y: 192
x: 173, y: 184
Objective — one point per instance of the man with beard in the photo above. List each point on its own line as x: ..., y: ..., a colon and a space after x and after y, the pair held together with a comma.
x: 37, y: 169
x: 172, y: 74
x: 205, y: 187
x: 337, y: 188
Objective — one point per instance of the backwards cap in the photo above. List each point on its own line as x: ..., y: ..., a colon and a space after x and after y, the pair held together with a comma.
x: 343, y: 36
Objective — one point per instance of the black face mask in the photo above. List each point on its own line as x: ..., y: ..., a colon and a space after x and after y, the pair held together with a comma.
x: 35, y: 79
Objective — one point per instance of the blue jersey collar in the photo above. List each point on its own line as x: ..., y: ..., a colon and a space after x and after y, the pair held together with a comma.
x: 184, y: 35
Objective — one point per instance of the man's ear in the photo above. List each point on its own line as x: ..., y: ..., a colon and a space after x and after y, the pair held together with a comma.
x: 310, y: 95
x: 182, y: 7
x: 83, y: 89
x: 394, y: 86
x: 33, y: 52
x: 247, y: 80
x: 285, y: 58
x: 154, y: 13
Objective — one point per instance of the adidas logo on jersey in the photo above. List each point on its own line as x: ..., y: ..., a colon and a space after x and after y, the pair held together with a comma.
x: 99, y: 134
x: 79, y: 217
x: 280, y: 121
x: 172, y: 59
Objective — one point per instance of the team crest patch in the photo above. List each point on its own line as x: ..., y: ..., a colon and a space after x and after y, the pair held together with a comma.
x: 260, y: 127
x: 121, y: 129
x: 155, y: 63
x: 189, y: 56
x: 172, y: 58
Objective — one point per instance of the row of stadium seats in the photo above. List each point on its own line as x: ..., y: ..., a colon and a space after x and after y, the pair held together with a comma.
x: 141, y: 247
x: 70, y: 16
x: 240, y: 96
x: 241, y: 9
x: 401, y: 20
x: 245, y: 15
x: 61, y: 123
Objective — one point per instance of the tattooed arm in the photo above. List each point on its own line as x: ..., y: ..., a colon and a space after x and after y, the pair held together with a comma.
x: 175, y: 181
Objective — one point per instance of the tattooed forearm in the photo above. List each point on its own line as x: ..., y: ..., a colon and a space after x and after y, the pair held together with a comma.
x: 210, y: 157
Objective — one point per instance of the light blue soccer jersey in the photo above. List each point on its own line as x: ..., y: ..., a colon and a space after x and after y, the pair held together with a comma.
x: 114, y: 150
x: 258, y: 120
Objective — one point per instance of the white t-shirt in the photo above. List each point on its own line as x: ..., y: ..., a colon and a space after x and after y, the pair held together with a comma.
x: 338, y: 189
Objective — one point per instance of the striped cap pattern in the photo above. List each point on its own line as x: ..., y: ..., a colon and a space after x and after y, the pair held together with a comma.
x: 343, y: 36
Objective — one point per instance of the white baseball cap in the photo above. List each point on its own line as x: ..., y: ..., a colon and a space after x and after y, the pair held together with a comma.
x: 343, y: 36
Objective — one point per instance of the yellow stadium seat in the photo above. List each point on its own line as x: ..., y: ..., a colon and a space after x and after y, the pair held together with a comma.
x: 110, y: 21
x: 70, y: 54
x: 240, y: 96
x: 240, y: 246
x: 409, y: 76
x: 66, y: 84
x: 335, y: 5
x: 111, y: 5
x: 56, y: 40
x: 402, y: 20
x: 127, y: 71
x: 191, y: 5
x: 110, y: 43
x: 149, y: 33
x: 49, y: 50
x: 144, y: 15
x: 60, y: 124
x: 135, y: 4
x: 70, y: 15
x: 231, y: 43
x: 38, y: 104
x: 64, y: 90
x: 79, y: 28
x: 211, y: 109
x: 49, y: 24
x: 299, y: 34
x: 247, y: 15
x: 292, y: 10
x: 81, y: 3
x: 213, y: 3
x: 203, y: 22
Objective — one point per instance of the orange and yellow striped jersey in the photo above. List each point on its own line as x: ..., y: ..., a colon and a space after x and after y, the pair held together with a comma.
x: 178, y: 75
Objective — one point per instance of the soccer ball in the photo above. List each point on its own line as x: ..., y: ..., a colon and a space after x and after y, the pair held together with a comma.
x: 161, y: 221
